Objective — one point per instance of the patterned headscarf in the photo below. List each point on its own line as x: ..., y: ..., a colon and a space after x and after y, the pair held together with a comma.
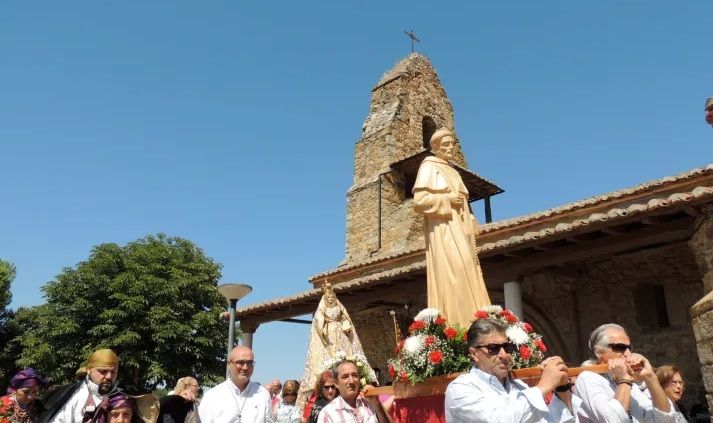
x: 26, y: 378
x: 117, y: 400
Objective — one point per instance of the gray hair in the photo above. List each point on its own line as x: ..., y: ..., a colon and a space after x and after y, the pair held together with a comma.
x: 335, y: 368
x: 437, y: 136
x: 482, y: 327
x: 599, y: 337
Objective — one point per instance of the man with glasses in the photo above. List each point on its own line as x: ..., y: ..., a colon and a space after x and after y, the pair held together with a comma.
x: 487, y: 393
x: 619, y: 396
x: 237, y: 400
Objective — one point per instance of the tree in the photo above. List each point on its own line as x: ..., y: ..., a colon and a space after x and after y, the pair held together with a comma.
x: 7, y: 328
x: 153, y: 301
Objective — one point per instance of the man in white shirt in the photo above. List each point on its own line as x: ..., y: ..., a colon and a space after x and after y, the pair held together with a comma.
x: 619, y: 395
x: 237, y: 400
x: 349, y: 406
x: 78, y: 402
x: 488, y: 394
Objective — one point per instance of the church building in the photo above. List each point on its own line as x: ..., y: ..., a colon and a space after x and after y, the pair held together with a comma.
x: 640, y: 256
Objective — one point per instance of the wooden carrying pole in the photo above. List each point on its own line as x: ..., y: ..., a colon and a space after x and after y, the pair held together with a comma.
x: 529, y: 375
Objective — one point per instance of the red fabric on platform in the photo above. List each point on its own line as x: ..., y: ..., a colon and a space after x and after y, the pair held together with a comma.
x: 429, y: 409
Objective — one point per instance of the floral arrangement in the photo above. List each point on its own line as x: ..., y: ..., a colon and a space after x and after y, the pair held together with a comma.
x: 366, y: 373
x: 435, y: 348
x: 530, y: 348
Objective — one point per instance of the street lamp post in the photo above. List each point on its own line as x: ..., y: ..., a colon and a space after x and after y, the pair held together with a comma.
x: 233, y: 292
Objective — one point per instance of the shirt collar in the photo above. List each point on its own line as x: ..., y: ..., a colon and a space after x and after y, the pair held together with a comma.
x: 343, y: 405
x: 237, y: 390
x: 491, y: 380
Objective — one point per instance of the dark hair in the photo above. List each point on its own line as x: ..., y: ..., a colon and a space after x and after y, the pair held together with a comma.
x: 323, y: 378
x: 335, y: 368
x: 482, y: 327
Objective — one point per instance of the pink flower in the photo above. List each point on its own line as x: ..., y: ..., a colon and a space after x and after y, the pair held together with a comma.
x: 435, y: 357
x: 525, y: 352
x: 430, y: 339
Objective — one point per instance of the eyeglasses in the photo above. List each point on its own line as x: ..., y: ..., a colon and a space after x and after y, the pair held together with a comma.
x: 494, y: 349
x: 330, y: 387
x: 619, y: 347
x: 241, y: 363
x: 677, y: 382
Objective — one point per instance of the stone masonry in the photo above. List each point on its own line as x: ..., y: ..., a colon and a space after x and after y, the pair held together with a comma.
x: 701, y: 244
x: 406, y: 96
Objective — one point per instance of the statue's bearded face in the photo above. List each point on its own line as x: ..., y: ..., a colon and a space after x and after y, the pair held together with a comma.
x: 446, y: 148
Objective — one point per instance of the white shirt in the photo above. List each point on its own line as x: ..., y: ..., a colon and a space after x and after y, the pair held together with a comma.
x: 477, y: 396
x: 73, y: 410
x: 559, y: 413
x: 225, y: 403
x: 599, y: 404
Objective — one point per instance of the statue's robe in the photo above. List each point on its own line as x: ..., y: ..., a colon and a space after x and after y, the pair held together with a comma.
x: 455, y: 281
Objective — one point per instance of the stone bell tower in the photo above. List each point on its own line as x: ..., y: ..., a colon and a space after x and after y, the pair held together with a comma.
x: 407, y: 105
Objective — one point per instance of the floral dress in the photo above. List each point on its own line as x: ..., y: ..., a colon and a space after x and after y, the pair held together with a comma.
x: 11, y: 412
x: 287, y: 413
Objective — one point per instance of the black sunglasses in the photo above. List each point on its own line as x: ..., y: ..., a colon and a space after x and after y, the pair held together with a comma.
x: 329, y: 387
x: 494, y: 349
x: 619, y: 347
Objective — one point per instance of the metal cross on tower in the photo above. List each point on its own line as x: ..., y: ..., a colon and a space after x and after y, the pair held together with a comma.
x: 413, y: 38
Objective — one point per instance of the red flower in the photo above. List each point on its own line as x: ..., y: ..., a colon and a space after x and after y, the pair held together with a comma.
x: 511, y: 318
x: 527, y: 327
x: 430, y: 339
x: 404, y: 376
x: 416, y: 325
x: 392, y: 371
x: 435, y: 357
x: 450, y: 333
x: 541, y: 345
x: 399, y: 347
x: 440, y: 320
x: 481, y: 314
x: 525, y: 352
x: 504, y: 312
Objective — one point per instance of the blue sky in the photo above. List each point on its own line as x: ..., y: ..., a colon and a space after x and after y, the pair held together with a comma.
x: 233, y: 123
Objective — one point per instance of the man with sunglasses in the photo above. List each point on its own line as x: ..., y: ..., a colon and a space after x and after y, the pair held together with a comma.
x: 619, y: 396
x: 237, y: 400
x: 487, y: 393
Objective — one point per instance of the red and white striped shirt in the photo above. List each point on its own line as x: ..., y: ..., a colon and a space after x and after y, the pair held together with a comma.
x: 338, y: 411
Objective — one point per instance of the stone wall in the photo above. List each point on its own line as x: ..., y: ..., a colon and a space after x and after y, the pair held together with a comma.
x: 584, y: 295
x: 701, y: 245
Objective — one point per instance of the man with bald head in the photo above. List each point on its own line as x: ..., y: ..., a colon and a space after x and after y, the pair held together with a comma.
x: 237, y: 400
x: 78, y: 401
x: 709, y: 110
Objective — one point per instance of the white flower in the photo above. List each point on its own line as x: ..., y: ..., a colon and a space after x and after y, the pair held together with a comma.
x: 517, y: 334
x: 493, y: 309
x: 427, y: 315
x: 414, y: 344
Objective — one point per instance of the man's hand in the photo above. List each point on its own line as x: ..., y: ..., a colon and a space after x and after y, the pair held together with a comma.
x: 554, y: 373
x: 619, y: 369
x: 641, y: 367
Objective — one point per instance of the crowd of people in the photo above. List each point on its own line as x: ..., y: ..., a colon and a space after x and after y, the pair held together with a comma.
x: 630, y: 391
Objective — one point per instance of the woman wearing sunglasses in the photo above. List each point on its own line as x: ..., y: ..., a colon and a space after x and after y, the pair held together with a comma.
x: 619, y: 395
x: 286, y: 411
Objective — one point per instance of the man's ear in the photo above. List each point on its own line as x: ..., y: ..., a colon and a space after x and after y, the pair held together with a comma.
x: 473, y: 357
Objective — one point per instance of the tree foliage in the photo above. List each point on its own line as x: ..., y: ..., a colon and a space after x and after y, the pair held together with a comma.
x: 154, y: 301
x: 7, y: 328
